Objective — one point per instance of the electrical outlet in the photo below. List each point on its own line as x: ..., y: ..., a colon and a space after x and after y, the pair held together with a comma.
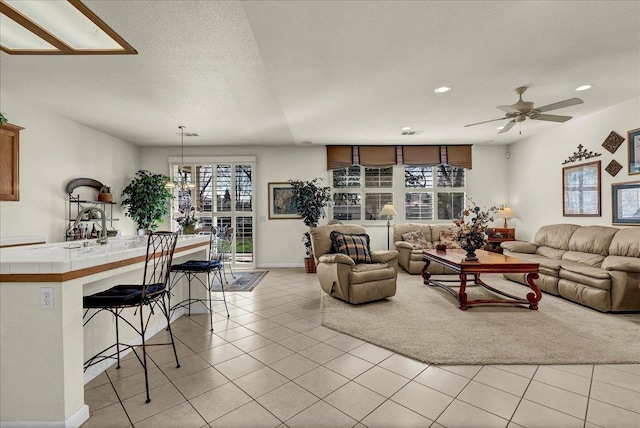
x: 46, y: 298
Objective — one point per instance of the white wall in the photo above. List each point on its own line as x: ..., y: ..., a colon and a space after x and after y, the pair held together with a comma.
x: 535, y: 167
x: 279, y: 242
x: 53, y: 151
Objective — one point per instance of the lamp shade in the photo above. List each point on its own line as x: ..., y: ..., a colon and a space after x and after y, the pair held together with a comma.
x: 506, y: 212
x: 388, y: 211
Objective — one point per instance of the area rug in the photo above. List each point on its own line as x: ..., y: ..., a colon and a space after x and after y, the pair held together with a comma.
x: 245, y: 281
x: 424, y: 323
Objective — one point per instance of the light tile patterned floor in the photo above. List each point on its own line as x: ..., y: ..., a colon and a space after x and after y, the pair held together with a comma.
x: 272, y: 364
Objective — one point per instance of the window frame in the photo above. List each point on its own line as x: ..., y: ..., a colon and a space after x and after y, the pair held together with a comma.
x: 399, y: 193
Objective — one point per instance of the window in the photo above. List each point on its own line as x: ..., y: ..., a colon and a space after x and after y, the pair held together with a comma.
x: 222, y: 192
x: 429, y: 193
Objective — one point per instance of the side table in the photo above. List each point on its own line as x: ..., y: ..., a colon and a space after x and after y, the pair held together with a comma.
x: 496, y: 236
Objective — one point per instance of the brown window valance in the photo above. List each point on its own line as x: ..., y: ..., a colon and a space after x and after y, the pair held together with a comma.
x: 381, y: 156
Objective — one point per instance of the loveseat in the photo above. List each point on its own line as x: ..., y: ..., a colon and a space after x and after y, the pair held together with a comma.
x: 423, y: 236
x: 596, y: 266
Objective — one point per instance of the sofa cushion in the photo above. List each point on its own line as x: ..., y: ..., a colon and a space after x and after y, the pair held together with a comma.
x: 437, y: 229
x: 549, y: 252
x: 592, y: 239
x: 555, y: 236
x: 415, y: 238
x: 624, y: 264
x: 402, y: 228
x: 355, y: 246
x: 585, y: 258
x: 519, y: 247
x: 447, y: 239
x: 626, y: 243
x: 582, y: 269
x: 321, y: 238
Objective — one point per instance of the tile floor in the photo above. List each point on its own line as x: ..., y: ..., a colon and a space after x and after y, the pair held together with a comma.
x: 272, y: 364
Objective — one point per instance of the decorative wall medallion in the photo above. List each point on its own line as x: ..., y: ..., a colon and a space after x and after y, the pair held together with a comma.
x: 613, y: 168
x: 612, y: 142
x: 581, y: 155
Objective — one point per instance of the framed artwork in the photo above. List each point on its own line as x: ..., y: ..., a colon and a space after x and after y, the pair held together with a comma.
x: 581, y: 190
x: 625, y: 203
x: 280, y: 201
x: 633, y: 139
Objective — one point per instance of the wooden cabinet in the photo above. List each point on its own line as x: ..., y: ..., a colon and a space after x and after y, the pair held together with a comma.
x: 496, y: 236
x: 9, y: 162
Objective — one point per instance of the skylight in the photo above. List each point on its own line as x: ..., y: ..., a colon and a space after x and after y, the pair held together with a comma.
x: 64, y: 27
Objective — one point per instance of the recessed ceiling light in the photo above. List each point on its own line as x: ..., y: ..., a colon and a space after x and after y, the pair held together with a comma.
x: 500, y: 127
x: 442, y: 89
x: 584, y: 87
x: 406, y: 128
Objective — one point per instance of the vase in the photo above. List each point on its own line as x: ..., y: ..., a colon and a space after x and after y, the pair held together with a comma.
x: 470, y: 243
x: 471, y: 255
x: 189, y: 229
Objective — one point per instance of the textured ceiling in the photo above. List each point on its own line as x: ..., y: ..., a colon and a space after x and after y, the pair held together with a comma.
x: 336, y: 72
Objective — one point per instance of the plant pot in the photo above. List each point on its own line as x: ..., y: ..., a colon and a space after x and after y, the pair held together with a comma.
x: 189, y: 229
x: 310, y: 265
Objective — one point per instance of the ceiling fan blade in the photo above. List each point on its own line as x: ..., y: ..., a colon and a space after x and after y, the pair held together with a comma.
x: 508, y: 109
x: 507, y: 127
x: 551, y: 117
x: 560, y: 104
x: 486, y: 121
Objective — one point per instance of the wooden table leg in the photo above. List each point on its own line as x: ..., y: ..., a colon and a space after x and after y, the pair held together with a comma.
x: 462, y: 295
x: 534, y: 297
x: 425, y: 275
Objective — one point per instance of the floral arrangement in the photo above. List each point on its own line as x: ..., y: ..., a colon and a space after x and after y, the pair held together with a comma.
x: 472, y: 227
x: 189, y: 216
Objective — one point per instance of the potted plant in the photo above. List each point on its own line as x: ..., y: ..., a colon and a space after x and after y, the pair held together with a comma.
x: 309, y: 200
x: 146, y: 199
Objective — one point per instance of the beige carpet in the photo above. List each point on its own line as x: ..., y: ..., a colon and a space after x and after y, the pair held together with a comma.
x: 424, y: 323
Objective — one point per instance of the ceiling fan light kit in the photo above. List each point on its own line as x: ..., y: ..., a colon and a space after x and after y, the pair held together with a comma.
x: 523, y: 110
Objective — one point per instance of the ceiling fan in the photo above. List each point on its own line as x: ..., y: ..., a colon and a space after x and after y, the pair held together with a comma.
x: 522, y: 110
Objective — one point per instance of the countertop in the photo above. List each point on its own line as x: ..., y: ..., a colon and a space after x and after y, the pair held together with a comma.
x: 76, y: 256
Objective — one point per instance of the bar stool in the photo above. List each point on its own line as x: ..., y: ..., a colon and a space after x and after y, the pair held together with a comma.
x: 190, y: 270
x: 151, y: 293
x: 227, y: 242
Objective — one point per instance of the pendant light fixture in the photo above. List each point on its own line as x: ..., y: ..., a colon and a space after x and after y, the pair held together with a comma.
x: 182, y: 175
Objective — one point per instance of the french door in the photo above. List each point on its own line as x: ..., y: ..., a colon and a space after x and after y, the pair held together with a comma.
x: 221, y: 192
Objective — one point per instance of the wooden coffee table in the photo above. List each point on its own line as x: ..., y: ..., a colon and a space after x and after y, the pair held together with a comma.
x: 488, y: 262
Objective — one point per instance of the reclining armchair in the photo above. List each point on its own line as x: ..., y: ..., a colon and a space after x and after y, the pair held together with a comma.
x: 356, y: 279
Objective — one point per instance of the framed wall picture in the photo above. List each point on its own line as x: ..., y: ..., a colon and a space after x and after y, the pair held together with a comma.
x: 625, y: 202
x: 633, y: 139
x: 280, y: 201
x: 581, y: 190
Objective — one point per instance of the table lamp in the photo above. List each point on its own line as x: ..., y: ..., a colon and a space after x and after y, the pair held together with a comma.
x: 388, y: 211
x: 506, y: 213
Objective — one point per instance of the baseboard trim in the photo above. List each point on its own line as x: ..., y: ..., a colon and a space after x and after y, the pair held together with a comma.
x: 280, y: 265
x: 78, y: 417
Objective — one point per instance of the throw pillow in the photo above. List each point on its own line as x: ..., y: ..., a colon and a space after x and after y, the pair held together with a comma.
x: 447, y: 239
x: 355, y: 246
x: 417, y: 239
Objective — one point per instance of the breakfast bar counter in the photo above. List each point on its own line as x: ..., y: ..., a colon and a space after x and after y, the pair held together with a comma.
x: 44, y: 343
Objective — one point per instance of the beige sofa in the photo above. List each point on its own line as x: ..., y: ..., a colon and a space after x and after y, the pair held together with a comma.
x: 595, y: 266
x: 410, y: 255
